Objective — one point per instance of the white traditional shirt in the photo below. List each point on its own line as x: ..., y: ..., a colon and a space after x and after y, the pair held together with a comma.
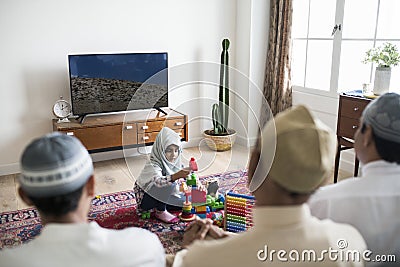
x: 87, y: 245
x: 370, y: 203
x: 288, y: 228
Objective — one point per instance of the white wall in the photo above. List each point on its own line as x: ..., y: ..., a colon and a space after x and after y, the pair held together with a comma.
x: 36, y: 37
x: 325, y: 107
x: 258, y: 56
x: 252, y: 41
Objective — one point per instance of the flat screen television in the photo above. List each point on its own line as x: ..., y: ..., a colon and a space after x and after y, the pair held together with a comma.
x: 102, y: 83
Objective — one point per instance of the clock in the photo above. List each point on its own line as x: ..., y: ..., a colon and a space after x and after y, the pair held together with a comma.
x: 62, y: 109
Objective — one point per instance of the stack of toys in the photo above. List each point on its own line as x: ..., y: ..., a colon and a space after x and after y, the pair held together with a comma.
x: 200, y: 204
x: 238, y: 215
x: 186, y: 214
x: 190, y: 189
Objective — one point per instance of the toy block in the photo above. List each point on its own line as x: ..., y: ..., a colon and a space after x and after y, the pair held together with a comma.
x: 200, y: 209
x: 202, y: 215
x: 193, y: 165
x: 145, y: 215
x: 191, y: 180
x: 199, y: 196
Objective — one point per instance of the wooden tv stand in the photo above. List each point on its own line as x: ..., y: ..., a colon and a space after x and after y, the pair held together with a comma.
x: 99, y: 133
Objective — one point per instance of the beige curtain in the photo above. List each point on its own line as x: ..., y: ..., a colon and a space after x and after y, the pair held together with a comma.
x: 277, y: 85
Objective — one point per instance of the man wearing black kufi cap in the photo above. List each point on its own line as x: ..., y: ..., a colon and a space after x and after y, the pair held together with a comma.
x: 57, y: 178
x: 371, y: 203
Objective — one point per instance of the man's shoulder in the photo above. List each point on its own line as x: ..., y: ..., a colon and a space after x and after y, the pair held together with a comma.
x: 18, y: 256
x: 338, y: 190
x: 343, y: 233
x: 130, y: 232
x: 129, y: 235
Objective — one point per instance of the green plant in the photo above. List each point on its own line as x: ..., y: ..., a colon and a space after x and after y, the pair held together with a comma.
x: 220, y: 112
x: 384, y: 56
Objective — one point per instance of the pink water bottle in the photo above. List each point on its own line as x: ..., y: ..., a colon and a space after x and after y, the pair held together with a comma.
x: 193, y: 164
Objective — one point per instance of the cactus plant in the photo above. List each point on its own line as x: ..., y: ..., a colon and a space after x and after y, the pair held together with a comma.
x: 220, y: 111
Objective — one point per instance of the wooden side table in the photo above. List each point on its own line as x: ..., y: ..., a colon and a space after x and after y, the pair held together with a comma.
x: 349, y: 113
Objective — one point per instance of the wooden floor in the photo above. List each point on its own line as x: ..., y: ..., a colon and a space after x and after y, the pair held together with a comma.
x: 119, y: 174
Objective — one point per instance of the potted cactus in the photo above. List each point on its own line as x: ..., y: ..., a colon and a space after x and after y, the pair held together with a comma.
x: 220, y: 137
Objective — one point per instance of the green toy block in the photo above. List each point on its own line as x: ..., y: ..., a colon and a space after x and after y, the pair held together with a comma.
x: 191, y: 180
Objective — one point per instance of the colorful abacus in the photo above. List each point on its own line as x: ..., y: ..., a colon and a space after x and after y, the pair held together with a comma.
x: 238, y: 216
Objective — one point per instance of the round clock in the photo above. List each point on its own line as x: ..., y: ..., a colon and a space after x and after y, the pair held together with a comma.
x: 62, y: 109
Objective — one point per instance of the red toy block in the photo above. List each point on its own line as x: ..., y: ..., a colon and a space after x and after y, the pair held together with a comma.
x: 198, y: 196
x: 193, y: 165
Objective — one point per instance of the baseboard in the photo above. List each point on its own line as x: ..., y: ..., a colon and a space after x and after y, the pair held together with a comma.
x: 245, y: 141
x: 8, y: 169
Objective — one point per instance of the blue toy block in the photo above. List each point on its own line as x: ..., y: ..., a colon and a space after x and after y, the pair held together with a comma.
x: 202, y: 215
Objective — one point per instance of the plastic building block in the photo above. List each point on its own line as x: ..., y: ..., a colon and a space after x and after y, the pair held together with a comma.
x: 217, y: 206
x: 193, y: 165
x: 201, y: 209
x: 210, y: 200
x: 198, y: 197
x: 202, y: 215
x: 183, y: 187
x: 145, y: 215
x: 191, y: 180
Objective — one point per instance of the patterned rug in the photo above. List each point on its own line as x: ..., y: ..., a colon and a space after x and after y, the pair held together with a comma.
x: 116, y: 211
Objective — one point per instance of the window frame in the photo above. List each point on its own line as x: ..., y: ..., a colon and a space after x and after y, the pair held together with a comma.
x: 336, y: 51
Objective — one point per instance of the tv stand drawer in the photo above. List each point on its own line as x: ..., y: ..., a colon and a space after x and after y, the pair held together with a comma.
x: 146, y: 138
x: 156, y: 126
x: 98, y: 137
x: 100, y: 133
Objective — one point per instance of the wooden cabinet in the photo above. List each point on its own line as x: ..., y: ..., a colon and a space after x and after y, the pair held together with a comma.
x: 349, y: 113
x: 106, y: 132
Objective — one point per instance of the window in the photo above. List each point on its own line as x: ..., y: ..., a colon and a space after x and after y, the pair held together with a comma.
x: 330, y: 38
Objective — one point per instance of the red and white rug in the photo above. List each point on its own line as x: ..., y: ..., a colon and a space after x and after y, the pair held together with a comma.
x: 116, y: 211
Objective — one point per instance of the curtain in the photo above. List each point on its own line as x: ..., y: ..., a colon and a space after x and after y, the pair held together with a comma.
x: 277, y: 85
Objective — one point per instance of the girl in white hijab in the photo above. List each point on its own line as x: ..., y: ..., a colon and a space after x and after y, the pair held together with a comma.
x: 156, y: 184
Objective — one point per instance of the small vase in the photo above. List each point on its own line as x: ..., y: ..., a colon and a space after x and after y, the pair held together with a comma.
x: 382, y: 80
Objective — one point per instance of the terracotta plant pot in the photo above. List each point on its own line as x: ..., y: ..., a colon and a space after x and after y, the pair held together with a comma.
x: 220, y: 142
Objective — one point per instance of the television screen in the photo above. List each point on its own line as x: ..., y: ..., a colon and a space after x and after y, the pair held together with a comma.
x: 102, y: 83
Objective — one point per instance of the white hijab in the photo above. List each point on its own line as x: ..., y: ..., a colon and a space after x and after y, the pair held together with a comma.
x: 158, y: 165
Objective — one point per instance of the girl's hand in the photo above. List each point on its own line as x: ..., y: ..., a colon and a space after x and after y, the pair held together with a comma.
x: 180, y: 174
